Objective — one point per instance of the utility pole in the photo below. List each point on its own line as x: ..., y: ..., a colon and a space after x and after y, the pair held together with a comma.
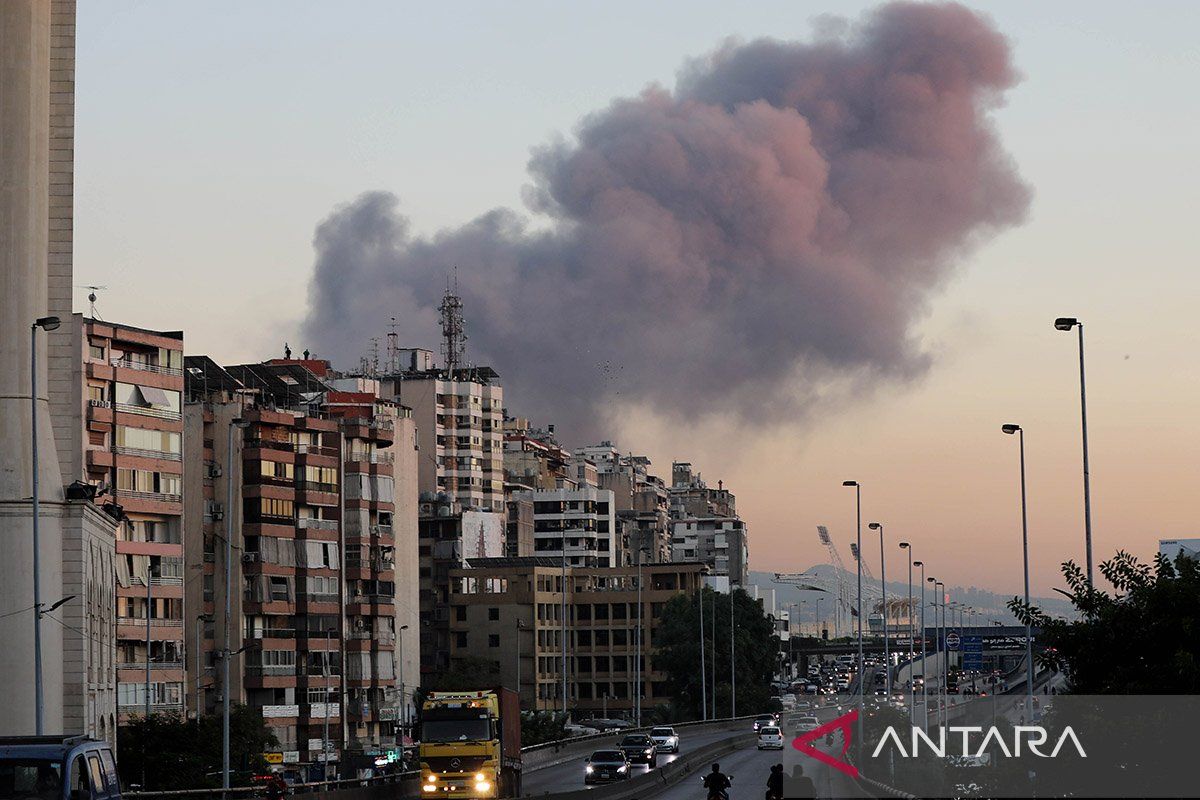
x: 703, y: 685
x: 732, y: 661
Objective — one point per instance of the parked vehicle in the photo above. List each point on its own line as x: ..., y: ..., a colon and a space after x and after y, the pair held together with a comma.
x: 770, y: 737
x: 606, y: 765
x: 57, y: 768
x: 665, y: 739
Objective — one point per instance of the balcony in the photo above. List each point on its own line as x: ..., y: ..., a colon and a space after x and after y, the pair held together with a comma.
x: 272, y: 633
x: 270, y: 444
x: 154, y: 621
x: 381, y: 530
x: 139, y: 452
x: 271, y: 670
x: 316, y: 450
x: 147, y: 411
x: 157, y: 497
x: 141, y: 665
x: 317, y: 524
x: 144, y: 367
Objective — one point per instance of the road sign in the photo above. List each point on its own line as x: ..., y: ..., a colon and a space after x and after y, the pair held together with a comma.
x: 972, y: 652
x: 952, y: 641
x: 273, y: 758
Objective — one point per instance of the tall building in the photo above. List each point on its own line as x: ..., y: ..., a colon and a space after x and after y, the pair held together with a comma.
x: 718, y: 541
x: 583, y: 522
x: 642, y: 500
x: 691, y: 497
x: 510, y: 611
x: 76, y: 542
x: 533, y: 458
x: 131, y: 434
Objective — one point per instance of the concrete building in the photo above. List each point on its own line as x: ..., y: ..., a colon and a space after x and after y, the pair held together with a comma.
x: 719, y: 541
x: 584, y: 521
x: 132, y: 445
x: 642, y: 500
x: 509, y: 611
x: 533, y: 458
x: 75, y: 542
x: 690, y: 496
x: 1173, y: 548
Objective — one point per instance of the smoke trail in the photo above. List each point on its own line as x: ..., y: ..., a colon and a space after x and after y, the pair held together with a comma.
x: 779, y: 221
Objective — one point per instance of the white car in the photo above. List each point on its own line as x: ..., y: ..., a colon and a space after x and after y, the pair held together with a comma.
x: 770, y: 737
x: 805, y: 724
x: 666, y: 739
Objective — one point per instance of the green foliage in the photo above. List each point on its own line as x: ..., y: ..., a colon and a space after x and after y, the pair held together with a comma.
x: 1144, y: 639
x: 541, y: 726
x: 755, y: 645
x: 467, y: 675
x: 187, y: 754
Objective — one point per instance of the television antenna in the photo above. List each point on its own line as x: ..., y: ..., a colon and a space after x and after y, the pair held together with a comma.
x: 92, y: 298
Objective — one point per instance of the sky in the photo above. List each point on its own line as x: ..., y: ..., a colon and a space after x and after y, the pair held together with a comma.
x: 213, y: 138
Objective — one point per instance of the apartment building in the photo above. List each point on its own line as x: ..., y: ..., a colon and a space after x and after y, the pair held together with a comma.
x: 459, y: 418
x: 510, y: 611
x: 718, y: 541
x: 690, y: 496
x: 132, y: 452
x: 642, y: 500
x: 582, y: 521
x: 533, y: 459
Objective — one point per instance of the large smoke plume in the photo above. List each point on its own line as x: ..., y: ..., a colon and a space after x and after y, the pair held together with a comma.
x: 776, y: 224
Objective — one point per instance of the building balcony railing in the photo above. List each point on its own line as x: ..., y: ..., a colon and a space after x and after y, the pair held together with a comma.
x: 315, y: 486
x: 382, y: 424
x: 316, y: 450
x: 154, y: 621
x: 373, y: 598
x: 372, y: 458
x: 166, y: 580
x: 141, y: 665
x: 381, y: 530
x: 125, y: 707
x: 319, y: 598
x: 144, y: 367
x: 147, y: 411
x: 137, y: 451
x: 271, y: 670
x: 317, y: 524
x: 157, y: 497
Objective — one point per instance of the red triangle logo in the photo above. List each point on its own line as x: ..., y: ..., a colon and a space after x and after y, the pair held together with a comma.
x: 806, y: 743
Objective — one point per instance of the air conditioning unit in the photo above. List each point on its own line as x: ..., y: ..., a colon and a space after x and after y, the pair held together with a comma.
x: 217, y: 514
x: 249, y: 557
x: 214, y: 470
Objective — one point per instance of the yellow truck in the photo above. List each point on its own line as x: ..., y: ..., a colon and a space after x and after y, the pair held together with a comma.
x: 471, y: 744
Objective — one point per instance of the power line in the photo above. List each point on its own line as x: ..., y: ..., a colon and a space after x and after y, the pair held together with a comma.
x: 19, y: 611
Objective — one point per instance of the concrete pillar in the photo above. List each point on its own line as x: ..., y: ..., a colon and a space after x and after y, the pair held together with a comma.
x: 25, y: 45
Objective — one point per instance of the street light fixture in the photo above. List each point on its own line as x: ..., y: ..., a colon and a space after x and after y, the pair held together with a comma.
x: 403, y: 696
x: 924, y: 677
x: 47, y: 324
x: 912, y: 703
x: 861, y: 684
x: 228, y: 654
x: 1010, y: 429
x: 887, y: 655
x: 1066, y: 324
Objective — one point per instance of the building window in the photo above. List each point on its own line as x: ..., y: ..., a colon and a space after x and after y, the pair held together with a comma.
x: 460, y: 613
x: 460, y: 639
x: 493, y: 614
x: 493, y: 640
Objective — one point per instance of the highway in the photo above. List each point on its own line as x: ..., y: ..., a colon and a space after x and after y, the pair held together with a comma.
x: 749, y: 766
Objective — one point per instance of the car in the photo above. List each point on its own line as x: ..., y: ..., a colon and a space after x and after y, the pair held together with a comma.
x: 665, y: 739
x: 606, y: 765
x: 639, y: 747
x: 58, y: 768
x: 804, y: 724
x: 763, y: 720
x: 770, y: 737
x: 579, y: 730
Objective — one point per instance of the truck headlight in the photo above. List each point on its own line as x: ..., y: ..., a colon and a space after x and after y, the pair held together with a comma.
x: 432, y: 779
x: 482, y: 786
x: 428, y: 787
x: 480, y: 777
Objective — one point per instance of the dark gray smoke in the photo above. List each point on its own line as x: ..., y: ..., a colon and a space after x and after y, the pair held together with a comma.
x: 778, y: 222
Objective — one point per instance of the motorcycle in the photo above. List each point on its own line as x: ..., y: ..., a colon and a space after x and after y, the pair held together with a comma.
x: 718, y: 794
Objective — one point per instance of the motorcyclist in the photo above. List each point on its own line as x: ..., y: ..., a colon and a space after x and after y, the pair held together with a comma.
x: 775, y: 783
x: 717, y: 784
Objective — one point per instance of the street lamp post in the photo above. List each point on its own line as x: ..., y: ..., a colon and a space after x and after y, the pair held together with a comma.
x: 703, y: 678
x: 861, y: 683
x: 637, y: 702
x: 520, y: 625
x: 887, y: 655
x: 47, y: 324
x: 228, y: 654
x: 404, y: 695
x: 924, y: 676
x: 1065, y: 324
x: 564, y: 624
x: 938, y: 632
x: 912, y: 686
x: 732, y: 661
x: 1010, y: 429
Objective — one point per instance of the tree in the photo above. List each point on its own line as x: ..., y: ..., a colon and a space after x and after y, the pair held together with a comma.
x: 1145, y: 639
x: 755, y: 646
x: 542, y: 726
x: 468, y: 674
x: 165, y: 752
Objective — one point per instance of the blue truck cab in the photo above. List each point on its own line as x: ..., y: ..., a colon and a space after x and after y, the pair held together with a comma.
x: 57, y: 768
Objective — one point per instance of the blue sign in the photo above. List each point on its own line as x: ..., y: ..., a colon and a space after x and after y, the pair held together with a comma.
x: 972, y: 652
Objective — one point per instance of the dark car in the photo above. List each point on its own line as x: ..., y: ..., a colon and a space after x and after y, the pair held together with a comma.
x: 58, y: 768
x: 640, y: 748
x: 606, y: 765
x: 764, y: 719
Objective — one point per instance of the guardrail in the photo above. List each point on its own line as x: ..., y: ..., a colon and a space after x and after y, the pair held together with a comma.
x: 316, y: 787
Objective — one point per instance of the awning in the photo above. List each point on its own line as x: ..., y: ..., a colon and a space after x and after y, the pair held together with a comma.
x: 155, y: 396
